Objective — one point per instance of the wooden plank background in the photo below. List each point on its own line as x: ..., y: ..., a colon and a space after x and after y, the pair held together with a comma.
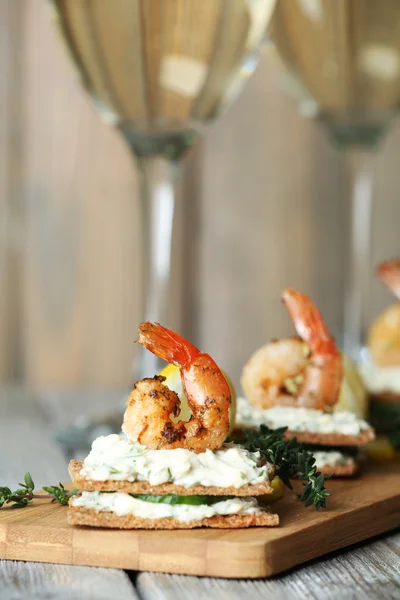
x: 272, y: 211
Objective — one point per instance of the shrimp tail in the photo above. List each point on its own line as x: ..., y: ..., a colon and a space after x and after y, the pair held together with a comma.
x: 308, y: 321
x: 389, y: 273
x: 166, y: 344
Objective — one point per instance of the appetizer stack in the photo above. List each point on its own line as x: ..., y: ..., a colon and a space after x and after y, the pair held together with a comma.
x: 295, y: 383
x: 381, y: 371
x: 335, y: 439
x: 173, y: 475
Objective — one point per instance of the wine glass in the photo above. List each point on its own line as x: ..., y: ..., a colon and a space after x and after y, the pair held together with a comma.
x: 158, y: 70
x: 342, y: 59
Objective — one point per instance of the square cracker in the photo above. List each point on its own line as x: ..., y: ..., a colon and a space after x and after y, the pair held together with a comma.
x: 94, y: 518
x: 144, y: 487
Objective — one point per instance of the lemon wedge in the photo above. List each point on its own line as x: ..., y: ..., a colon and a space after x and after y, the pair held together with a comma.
x: 353, y: 395
x: 173, y: 381
x: 278, y: 492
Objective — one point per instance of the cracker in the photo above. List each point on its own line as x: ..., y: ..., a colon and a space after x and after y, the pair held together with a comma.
x: 144, y: 487
x: 339, y: 470
x: 322, y: 439
x: 94, y: 518
x: 333, y: 439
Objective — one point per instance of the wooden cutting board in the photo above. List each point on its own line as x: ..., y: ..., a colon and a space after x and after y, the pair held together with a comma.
x: 358, y: 509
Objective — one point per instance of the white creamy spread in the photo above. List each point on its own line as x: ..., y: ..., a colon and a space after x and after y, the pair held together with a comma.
x: 299, y: 419
x: 114, y: 457
x: 123, y: 504
x: 325, y: 458
x: 380, y: 379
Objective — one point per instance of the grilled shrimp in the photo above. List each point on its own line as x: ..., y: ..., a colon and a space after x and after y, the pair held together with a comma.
x: 147, y: 418
x: 384, y: 334
x: 305, y: 371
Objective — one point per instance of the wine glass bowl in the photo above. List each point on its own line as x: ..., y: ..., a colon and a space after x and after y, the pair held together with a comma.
x: 160, y: 69
x: 344, y: 62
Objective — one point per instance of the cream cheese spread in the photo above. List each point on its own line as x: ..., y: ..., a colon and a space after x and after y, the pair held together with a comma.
x: 299, y: 419
x: 123, y: 504
x: 114, y: 457
x: 380, y: 379
x: 325, y: 458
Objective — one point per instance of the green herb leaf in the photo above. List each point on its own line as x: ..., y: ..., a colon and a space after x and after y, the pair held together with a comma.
x: 24, y: 495
x: 114, y: 471
x: 29, y: 482
x: 60, y: 494
x: 291, y: 460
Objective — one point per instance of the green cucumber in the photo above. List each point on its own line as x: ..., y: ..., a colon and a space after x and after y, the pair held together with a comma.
x: 173, y: 499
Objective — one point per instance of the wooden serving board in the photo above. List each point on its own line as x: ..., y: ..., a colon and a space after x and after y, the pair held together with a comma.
x: 358, y: 509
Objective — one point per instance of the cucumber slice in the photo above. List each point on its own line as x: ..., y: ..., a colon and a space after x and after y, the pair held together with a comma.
x: 173, y: 499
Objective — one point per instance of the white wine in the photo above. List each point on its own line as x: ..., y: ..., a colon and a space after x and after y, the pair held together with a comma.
x: 344, y: 60
x: 161, y: 66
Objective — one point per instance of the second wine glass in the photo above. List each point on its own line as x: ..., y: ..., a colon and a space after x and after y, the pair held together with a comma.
x: 343, y: 62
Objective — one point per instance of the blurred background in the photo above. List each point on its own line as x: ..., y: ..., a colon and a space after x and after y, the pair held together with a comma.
x: 267, y: 195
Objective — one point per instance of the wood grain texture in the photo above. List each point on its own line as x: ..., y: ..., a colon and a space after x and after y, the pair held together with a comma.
x: 274, y: 201
x: 363, y: 573
x: 358, y: 509
x: 82, y: 293
x: 19, y: 581
x: 273, y: 211
x: 262, y: 231
x: 11, y: 159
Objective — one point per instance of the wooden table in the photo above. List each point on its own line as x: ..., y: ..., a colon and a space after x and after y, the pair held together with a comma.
x: 367, y: 572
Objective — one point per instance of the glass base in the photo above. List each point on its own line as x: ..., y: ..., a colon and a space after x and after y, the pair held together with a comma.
x: 77, y: 417
x: 344, y: 136
x: 171, y: 145
x: 76, y: 440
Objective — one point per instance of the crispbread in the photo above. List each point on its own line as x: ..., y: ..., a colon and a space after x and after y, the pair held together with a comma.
x: 339, y: 470
x: 332, y: 439
x: 94, y: 518
x: 144, y: 487
x: 322, y: 439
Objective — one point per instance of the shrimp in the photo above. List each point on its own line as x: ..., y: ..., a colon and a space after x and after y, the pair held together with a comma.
x: 384, y: 333
x: 305, y: 371
x: 147, y: 418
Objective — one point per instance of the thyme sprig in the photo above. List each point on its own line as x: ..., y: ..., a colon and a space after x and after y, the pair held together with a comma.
x: 291, y: 460
x: 24, y: 495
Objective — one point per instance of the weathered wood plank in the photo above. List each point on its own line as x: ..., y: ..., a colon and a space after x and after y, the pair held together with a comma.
x: 368, y: 572
x: 82, y: 293
x: 273, y: 210
x: 19, y: 581
x: 11, y: 160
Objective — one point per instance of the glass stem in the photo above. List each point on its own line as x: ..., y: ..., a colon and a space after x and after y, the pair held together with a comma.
x: 158, y: 177
x: 359, y: 256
